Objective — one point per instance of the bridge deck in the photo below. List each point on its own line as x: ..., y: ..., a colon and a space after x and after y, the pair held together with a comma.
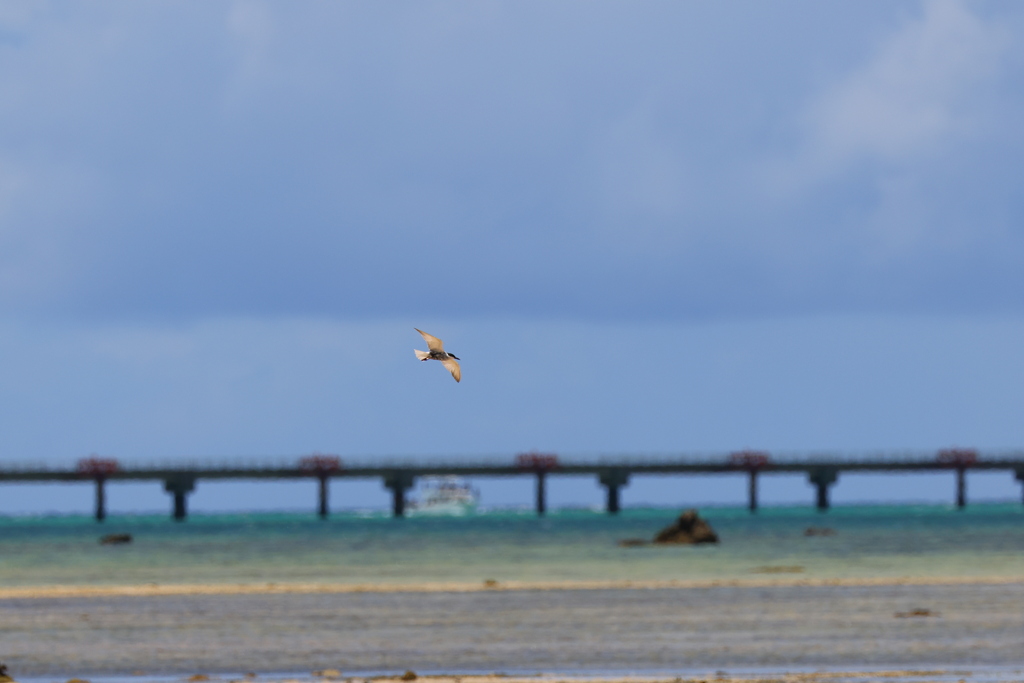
x: 612, y: 473
x: 485, y: 469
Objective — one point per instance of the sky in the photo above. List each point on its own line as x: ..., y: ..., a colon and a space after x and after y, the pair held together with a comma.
x: 645, y: 227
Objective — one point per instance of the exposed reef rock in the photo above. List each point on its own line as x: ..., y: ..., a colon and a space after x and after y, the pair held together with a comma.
x: 777, y: 569
x: 919, y: 612
x: 689, y: 528
x: 116, y: 539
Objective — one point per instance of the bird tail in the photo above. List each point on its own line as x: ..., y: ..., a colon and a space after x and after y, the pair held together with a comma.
x: 422, y: 355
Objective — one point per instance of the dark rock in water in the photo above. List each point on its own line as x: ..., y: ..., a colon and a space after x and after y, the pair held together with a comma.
x: 633, y: 542
x: 778, y: 569
x: 689, y: 528
x: 916, y: 613
x: 819, y: 531
x: 116, y: 539
x: 409, y: 676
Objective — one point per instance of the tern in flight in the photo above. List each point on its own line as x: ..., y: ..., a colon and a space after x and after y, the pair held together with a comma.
x: 437, y: 352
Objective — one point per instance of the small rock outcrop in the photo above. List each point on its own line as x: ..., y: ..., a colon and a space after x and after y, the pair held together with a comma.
x: 115, y: 539
x: 633, y: 542
x: 689, y: 528
x: 4, y: 676
x: 919, y: 612
x: 778, y: 569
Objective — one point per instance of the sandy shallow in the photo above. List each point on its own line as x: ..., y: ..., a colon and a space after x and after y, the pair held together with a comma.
x: 838, y: 676
x: 692, y: 632
x: 271, y: 588
x: 824, y: 677
x: 846, y: 676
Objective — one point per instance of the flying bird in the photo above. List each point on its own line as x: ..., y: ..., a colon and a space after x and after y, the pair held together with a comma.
x: 437, y: 352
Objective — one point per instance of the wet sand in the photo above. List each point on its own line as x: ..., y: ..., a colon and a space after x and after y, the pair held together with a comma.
x: 838, y: 676
x: 845, y: 676
x: 275, y: 588
x: 777, y: 625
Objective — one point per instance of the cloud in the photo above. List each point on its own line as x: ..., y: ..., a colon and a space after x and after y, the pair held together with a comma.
x: 917, y: 91
x: 201, y: 160
x: 900, y: 154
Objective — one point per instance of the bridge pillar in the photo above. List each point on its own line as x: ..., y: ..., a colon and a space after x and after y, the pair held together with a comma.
x: 752, y: 491
x: 322, y: 510
x: 542, y: 502
x: 399, y: 483
x: 1020, y: 477
x: 101, y: 499
x: 180, y: 488
x: 613, y: 480
x: 961, y: 487
x: 823, y: 478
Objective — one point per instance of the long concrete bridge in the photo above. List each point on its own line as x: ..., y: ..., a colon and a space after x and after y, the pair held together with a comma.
x: 613, y: 474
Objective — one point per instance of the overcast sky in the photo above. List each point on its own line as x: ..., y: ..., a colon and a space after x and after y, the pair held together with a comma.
x: 644, y: 226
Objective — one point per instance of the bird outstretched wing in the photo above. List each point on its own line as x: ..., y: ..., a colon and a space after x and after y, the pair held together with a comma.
x: 453, y: 367
x: 433, y: 343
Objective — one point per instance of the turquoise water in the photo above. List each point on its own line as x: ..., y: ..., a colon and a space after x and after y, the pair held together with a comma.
x: 881, y: 541
x: 762, y: 628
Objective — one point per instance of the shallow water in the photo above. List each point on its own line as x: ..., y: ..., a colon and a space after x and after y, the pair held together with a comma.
x: 588, y: 631
x: 981, y: 541
x: 781, y: 627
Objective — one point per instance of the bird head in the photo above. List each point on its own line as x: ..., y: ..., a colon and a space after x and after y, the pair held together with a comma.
x: 453, y: 356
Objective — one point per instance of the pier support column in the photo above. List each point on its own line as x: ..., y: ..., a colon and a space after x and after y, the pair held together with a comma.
x: 1019, y: 472
x: 180, y: 488
x: 542, y: 497
x: 613, y: 480
x: 823, y: 478
x: 399, y: 483
x: 961, y: 488
x: 323, y: 511
x: 101, y: 499
x: 752, y: 491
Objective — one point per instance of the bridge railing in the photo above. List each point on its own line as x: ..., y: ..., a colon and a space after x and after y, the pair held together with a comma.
x: 957, y: 457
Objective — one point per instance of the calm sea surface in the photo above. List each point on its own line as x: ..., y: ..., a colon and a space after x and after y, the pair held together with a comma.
x: 675, y: 630
x: 983, y: 541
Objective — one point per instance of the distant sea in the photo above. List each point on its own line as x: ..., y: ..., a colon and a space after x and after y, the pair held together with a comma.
x: 971, y: 628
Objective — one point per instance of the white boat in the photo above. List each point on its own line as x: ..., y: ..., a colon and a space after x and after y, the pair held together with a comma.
x: 445, y: 496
